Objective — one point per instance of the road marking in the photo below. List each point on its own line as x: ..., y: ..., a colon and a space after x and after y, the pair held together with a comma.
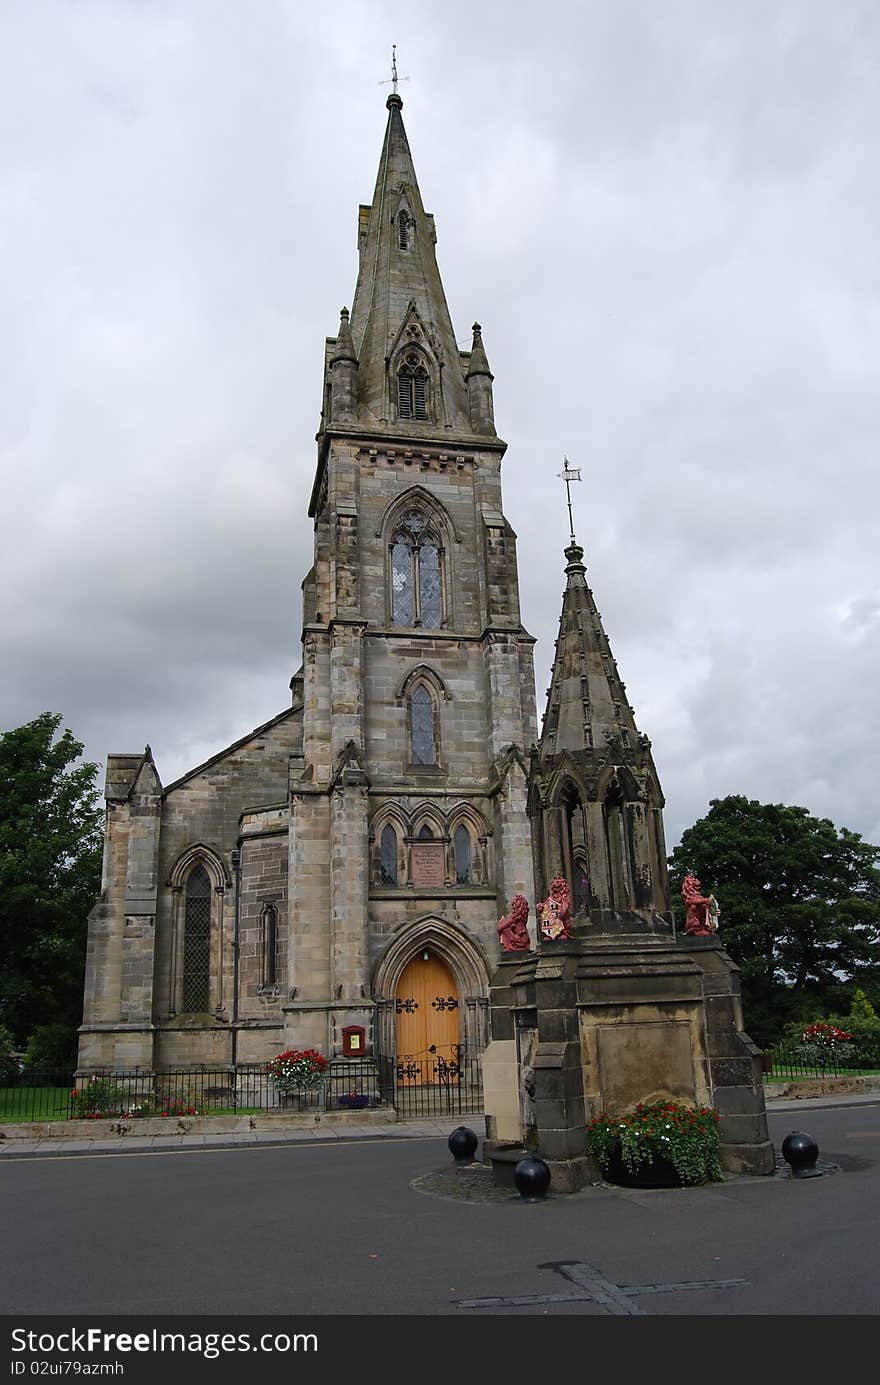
x: 616, y: 1299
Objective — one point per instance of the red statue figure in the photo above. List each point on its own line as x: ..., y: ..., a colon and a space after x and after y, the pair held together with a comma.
x: 555, y: 912
x: 702, y: 910
x: 512, y: 929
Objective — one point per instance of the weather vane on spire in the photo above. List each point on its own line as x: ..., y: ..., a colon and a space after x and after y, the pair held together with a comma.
x: 569, y: 474
x: 394, y: 79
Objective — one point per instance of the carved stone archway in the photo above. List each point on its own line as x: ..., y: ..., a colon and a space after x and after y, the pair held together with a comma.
x: 462, y: 956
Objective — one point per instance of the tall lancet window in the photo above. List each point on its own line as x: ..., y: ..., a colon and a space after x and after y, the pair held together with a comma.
x: 388, y: 856
x: 421, y: 726
x: 461, y: 843
x: 412, y: 388
x: 197, y: 943
x: 417, y: 574
x: 403, y: 230
x: 270, y: 945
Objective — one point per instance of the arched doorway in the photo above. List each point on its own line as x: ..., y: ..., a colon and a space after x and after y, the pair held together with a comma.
x: 427, y: 1016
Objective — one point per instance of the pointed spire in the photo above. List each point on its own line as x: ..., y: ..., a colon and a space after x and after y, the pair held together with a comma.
x: 344, y: 348
x: 343, y: 374
x: 399, y: 303
x: 478, y: 363
x: 587, y: 707
x: 479, y: 387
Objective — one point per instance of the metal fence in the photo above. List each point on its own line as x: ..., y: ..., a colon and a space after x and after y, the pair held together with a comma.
x: 433, y: 1083
x: 416, y: 1084
x: 59, y: 1095
x: 787, y: 1060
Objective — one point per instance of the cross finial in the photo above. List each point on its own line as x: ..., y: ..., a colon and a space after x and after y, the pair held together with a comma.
x: 569, y: 474
x: 394, y: 77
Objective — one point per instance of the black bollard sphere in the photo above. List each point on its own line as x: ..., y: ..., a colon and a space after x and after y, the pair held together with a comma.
x: 532, y: 1178
x: 463, y: 1145
x: 800, y: 1151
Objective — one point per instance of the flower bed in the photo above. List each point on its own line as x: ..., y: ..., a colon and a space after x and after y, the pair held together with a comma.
x: 825, y: 1045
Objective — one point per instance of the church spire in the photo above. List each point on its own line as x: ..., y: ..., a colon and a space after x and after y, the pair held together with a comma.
x: 587, y: 707
x: 410, y: 368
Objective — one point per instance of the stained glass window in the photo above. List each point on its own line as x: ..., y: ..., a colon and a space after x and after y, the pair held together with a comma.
x: 462, y: 848
x: 421, y: 706
x: 388, y: 856
x: 196, y: 996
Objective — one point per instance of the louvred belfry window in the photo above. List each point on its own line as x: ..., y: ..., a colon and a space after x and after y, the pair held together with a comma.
x: 412, y: 389
x: 403, y: 225
x: 417, y: 574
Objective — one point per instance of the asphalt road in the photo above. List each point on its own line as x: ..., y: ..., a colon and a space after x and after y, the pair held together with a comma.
x: 337, y: 1229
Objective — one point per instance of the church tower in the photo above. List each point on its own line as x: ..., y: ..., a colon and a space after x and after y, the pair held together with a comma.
x: 408, y: 826
x: 334, y: 878
x: 595, y: 803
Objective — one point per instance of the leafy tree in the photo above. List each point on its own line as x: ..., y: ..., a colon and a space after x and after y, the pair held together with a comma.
x: 9, y: 1067
x: 50, y: 874
x: 800, y: 904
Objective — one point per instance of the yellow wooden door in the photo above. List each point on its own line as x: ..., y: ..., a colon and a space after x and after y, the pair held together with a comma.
x: 427, y: 1020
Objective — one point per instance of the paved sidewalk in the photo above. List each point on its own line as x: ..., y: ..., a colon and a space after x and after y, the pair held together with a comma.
x: 434, y: 1127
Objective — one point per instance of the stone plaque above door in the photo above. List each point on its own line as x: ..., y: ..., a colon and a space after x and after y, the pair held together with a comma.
x: 428, y: 865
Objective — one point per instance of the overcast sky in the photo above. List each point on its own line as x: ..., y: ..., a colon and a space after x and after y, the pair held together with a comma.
x: 664, y: 215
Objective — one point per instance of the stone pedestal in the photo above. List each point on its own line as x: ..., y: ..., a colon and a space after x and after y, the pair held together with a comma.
x: 604, y: 1021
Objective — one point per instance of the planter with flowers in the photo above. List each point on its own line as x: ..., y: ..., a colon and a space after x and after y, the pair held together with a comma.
x: 297, y: 1074
x: 662, y: 1145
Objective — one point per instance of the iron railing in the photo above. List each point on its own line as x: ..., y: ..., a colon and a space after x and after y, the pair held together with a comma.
x: 416, y: 1084
x: 784, y: 1060
x: 434, y: 1083
x: 57, y: 1095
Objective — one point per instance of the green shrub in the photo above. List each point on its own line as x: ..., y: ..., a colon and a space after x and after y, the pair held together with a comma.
x: 50, y: 1047
x: 100, y: 1097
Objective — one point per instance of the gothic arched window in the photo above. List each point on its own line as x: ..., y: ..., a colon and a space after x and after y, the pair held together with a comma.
x: 196, y: 991
x: 417, y: 586
x: 388, y: 856
x: 422, y: 726
x: 462, y: 849
x: 412, y: 388
x: 403, y: 225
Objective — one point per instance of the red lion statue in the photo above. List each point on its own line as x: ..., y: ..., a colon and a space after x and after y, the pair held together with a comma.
x: 512, y: 930
x: 702, y: 910
x: 555, y: 912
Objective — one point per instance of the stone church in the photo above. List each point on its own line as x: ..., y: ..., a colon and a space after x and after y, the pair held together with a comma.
x: 346, y: 863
